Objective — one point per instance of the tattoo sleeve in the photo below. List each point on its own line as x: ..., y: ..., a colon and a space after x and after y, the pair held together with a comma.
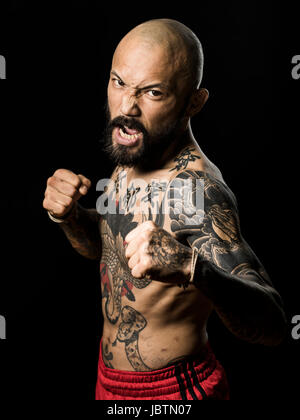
x: 227, y: 270
x: 82, y: 230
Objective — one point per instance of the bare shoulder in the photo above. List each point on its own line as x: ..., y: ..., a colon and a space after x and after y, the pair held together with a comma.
x: 196, y: 199
x: 192, y: 192
x: 192, y: 158
x: 192, y: 164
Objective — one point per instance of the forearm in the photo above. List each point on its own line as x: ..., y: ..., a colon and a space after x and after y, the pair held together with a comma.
x: 82, y: 230
x: 249, y: 308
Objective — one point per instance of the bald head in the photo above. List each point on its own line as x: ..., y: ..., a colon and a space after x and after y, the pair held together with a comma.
x: 179, y: 44
x: 153, y: 91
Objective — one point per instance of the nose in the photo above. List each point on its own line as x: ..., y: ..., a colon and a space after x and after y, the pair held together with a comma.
x: 129, y: 106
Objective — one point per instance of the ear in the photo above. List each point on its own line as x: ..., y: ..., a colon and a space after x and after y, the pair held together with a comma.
x: 197, y: 101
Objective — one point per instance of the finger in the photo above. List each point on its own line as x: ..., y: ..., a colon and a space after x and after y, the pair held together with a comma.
x: 60, y: 198
x: 133, y: 261
x: 132, y: 234
x: 63, y: 187
x: 143, y: 227
x: 135, y: 245
x: 54, y: 207
x: 141, y: 269
x: 85, y: 184
x: 68, y: 176
x: 138, y: 271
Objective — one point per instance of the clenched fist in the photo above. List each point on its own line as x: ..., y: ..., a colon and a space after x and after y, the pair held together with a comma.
x: 64, y: 188
x: 152, y: 251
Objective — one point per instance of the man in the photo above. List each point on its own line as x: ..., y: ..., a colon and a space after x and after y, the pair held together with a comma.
x: 166, y: 231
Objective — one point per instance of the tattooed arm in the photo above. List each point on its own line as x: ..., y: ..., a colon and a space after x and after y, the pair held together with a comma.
x: 82, y: 230
x: 227, y: 270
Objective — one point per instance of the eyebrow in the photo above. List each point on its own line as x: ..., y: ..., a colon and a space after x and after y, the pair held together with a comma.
x: 160, y: 85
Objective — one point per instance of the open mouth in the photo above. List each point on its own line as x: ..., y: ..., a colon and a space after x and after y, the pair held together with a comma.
x: 129, y: 133
x: 128, y: 136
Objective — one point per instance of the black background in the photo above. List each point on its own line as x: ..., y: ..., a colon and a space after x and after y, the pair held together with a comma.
x: 58, y: 61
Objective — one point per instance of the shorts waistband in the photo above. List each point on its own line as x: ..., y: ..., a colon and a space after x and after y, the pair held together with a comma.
x: 203, y: 364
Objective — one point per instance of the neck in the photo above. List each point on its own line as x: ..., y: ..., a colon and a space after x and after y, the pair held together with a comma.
x: 185, y: 138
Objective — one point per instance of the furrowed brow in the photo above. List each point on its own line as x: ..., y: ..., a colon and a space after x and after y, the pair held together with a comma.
x: 116, y: 74
x: 155, y: 85
x: 152, y: 86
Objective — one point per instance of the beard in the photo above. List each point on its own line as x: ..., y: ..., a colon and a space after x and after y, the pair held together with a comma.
x: 151, y: 147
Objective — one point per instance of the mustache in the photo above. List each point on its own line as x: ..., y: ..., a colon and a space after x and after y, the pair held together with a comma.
x: 131, y: 123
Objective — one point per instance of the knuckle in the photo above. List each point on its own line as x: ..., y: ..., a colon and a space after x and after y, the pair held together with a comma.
x: 60, y: 172
x: 49, y: 195
x: 60, y: 208
x: 77, y: 182
x: 150, y: 225
x: 68, y: 201
x: 146, y: 262
x: 50, y: 181
x: 45, y: 203
x: 71, y: 190
x: 145, y: 235
x: 136, y: 273
x: 145, y: 249
x: 67, y: 176
x: 85, y: 180
x: 130, y: 264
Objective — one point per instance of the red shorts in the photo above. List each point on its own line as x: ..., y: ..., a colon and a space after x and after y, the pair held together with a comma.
x: 197, y: 378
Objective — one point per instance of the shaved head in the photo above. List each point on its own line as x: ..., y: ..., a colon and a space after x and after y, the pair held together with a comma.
x: 153, y: 91
x: 178, y: 43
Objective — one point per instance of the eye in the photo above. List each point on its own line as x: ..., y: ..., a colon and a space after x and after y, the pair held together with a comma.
x: 154, y: 93
x: 118, y: 83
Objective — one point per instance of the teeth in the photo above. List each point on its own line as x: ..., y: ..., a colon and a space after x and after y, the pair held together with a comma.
x: 128, y: 136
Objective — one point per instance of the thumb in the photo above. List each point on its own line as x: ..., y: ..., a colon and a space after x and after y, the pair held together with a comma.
x: 85, y: 184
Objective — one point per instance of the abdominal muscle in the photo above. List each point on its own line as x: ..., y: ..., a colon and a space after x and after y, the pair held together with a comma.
x: 153, y: 324
x: 164, y: 324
